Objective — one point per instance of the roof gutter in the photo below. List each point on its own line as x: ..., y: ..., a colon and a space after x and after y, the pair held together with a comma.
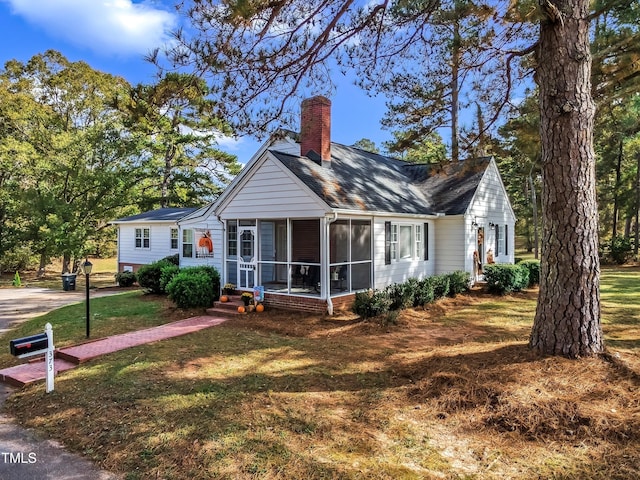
x: 388, y: 214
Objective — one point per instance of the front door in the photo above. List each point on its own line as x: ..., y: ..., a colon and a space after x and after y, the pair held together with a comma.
x: 247, y: 261
x: 480, y: 238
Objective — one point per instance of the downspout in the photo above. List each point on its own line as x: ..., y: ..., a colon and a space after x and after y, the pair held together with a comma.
x: 328, y: 266
x: 223, y: 276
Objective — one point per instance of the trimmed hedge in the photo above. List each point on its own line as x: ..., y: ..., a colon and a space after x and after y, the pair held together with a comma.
x: 167, y: 273
x: 149, y: 276
x: 534, y: 271
x: 506, y: 278
x: 413, y: 292
x: 190, y: 289
x: 125, y: 279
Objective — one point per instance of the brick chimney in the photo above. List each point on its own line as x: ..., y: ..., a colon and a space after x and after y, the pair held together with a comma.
x: 315, y: 129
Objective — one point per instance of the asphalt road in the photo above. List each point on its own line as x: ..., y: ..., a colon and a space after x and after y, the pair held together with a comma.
x: 23, y: 454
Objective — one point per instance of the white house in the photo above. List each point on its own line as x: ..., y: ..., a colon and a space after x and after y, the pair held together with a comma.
x: 148, y: 236
x: 313, y: 221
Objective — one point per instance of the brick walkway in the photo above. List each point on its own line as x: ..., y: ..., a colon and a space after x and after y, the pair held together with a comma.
x: 69, y: 357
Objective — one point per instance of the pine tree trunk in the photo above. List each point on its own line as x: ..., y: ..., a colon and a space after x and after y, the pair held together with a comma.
x: 567, y: 320
x: 455, y: 93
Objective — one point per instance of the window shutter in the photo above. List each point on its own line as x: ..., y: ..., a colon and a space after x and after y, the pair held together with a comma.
x: 506, y: 238
x: 425, y: 239
x: 497, y: 246
x: 387, y: 243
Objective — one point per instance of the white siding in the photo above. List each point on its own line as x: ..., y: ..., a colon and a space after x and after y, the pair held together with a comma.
x: 271, y: 191
x: 451, y: 245
x: 400, y: 271
x: 159, y: 243
x: 217, y: 236
x: 491, y: 205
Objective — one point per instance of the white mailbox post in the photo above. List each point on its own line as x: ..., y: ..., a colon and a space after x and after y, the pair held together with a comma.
x: 37, y: 345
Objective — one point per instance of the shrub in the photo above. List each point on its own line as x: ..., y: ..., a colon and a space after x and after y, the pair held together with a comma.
x: 149, y: 276
x: 18, y: 258
x: 191, y: 289
x: 621, y: 249
x: 371, y: 304
x: 424, y: 293
x: 441, y: 284
x: 506, y: 278
x: 210, y: 272
x: 167, y: 272
x: 533, y: 266
x: 125, y: 279
x: 401, y: 295
x: 459, y: 282
x: 173, y: 259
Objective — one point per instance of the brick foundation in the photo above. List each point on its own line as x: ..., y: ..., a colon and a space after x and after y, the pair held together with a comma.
x: 308, y: 304
x: 135, y: 266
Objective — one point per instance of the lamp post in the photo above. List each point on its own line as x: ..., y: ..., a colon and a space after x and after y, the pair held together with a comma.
x: 87, y: 266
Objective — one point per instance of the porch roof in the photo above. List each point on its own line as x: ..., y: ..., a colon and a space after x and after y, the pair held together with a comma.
x: 359, y: 180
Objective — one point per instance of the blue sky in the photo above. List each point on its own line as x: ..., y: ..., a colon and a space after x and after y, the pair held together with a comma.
x: 114, y: 35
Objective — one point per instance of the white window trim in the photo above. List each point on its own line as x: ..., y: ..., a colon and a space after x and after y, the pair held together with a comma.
x: 417, y: 242
x: 501, y: 238
x: 184, y: 242
x: 142, y: 234
x: 175, y: 231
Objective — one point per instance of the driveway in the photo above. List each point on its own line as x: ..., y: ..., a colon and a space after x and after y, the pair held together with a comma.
x: 23, y: 454
x: 20, y: 304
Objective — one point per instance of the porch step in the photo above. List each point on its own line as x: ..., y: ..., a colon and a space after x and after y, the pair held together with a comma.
x: 226, y: 308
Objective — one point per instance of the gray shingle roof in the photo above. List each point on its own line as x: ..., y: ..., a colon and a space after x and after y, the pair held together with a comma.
x: 365, y: 181
x: 159, y: 215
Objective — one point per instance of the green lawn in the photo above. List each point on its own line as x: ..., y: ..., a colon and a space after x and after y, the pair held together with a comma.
x: 109, y: 316
x: 102, y: 275
x: 450, y: 392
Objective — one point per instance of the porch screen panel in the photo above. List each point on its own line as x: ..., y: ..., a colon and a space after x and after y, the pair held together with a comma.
x: 360, y: 240
x: 361, y: 276
x: 339, y: 241
x: 305, y: 241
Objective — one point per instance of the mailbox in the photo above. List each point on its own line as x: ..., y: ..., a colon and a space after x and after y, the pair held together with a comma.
x: 29, y: 345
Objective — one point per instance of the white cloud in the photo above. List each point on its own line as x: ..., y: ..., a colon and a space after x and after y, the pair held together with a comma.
x: 230, y: 144
x: 108, y: 27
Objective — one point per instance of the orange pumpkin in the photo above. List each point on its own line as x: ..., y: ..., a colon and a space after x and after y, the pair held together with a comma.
x: 240, y: 309
x: 224, y: 298
x: 260, y: 308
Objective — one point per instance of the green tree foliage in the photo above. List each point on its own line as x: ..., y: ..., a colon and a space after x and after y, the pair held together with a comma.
x: 67, y: 151
x: 429, y: 149
x: 427, y: 94
x: 366, y: 145
x: 177, y: 130
x: 79, y: 148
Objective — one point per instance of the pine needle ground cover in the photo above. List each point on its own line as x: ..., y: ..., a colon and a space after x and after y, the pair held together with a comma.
x: 449, y: 392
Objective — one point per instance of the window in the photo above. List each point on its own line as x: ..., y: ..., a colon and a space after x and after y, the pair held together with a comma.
x: 187, y: 243
x: 232, y: 239
x: 406, y: 242
x: 500, y: 239
x: 142, y: 238
x: 174, y: 239
x: 394, y: 242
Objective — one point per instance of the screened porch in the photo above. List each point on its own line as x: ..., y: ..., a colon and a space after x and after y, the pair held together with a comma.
x: 288, y: 256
